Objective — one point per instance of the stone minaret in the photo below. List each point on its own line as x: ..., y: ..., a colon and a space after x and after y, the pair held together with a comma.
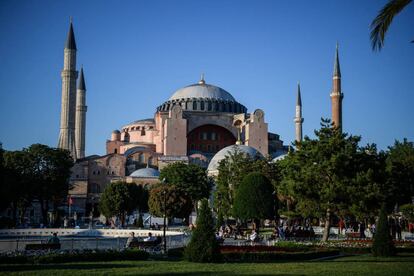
x: 336, y: 94
x: 298, y: 117
x: 67, y: 115
x: 80, y: 125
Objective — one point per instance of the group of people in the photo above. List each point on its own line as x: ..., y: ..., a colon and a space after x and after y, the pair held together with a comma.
x: 132, y: 239
x: 285, y: 231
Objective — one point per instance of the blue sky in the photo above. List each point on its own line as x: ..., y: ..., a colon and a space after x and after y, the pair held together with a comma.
x: 137, y: 53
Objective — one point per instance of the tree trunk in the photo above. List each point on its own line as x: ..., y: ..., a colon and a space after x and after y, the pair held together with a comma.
x: 327, y: 227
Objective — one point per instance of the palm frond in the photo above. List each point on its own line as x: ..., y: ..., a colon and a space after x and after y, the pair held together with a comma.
x: 381, y: 23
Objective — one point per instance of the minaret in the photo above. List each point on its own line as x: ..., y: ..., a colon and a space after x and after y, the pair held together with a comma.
x: 298, y: 118
x: 80, y: 123
x: 336, y: 94
x: 68, y: 107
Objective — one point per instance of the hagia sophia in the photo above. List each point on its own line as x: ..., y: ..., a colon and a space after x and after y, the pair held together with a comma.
x: 200, y: 123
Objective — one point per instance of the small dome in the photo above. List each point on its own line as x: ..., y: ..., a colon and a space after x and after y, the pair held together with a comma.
x: 202, y: 90
x: 146, y: 173
x: 116, y: 131
x: 214, y: 163
x: 280, y: 157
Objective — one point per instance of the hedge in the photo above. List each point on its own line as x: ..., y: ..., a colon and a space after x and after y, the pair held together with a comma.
x: 89, y: 256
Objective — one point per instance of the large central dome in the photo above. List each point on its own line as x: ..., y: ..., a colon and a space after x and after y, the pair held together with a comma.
x: 203, y: 97
x: 202, y: 90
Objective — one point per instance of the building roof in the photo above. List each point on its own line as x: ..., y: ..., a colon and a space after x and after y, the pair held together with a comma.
x: 146, y: 173
x: 81, y: 84
x: 223, y: 153
x: 70, y: 40
x: 202, y: 90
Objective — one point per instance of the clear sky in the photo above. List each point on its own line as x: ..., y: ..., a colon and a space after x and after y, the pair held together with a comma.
x: 137, y: 53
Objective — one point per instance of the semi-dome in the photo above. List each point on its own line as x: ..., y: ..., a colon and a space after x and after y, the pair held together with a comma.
x: 250, y: 151
x: 146, y: 173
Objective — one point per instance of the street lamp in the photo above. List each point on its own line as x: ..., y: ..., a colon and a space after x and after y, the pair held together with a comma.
x: 164, y: 182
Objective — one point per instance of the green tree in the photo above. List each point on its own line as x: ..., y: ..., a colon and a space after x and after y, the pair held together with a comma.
x: 382, y: 21
x: 232, y: 169
x: 320, y: 176
x: 118, y: 200
x: 189, y: 178
x: 254, y: 198
x: 383, y: 245
x: 408, y: 211
x: 178, y: 204
x: 400, y: 168
x: 203, y: 246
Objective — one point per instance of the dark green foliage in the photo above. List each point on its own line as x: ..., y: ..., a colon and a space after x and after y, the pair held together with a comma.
x: 220, y: 220
x: 382, y: 21
x: 203, y: 246
x: 189, y: 178
x: 140, y: 221
x: 178, y: 203
x: 400, y: 168
x: 408, y: 211
x: 37, y: 173
x: 119, y: 199
x: 383, y: 245
x: 232, y: 170
x: 254, y: 199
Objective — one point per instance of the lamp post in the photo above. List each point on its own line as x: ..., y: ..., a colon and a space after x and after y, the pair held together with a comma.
x: 165, y: 213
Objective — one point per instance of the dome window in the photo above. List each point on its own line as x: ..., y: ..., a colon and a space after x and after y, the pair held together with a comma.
x: 202, y: 105
x: 209, y: 106
x: 194, y: 105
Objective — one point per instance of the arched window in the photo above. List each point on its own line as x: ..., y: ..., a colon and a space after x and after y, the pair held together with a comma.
x: 209, y: 106
x: 202, y: 105
x: 115, y: 150
x: 126, y: 137
x: 143, y: 131
x: 194, y: 105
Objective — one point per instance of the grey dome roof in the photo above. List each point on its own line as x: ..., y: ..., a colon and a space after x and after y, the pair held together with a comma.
x: 146, y: 173
x: 214, y: 163
x: 202, y: 90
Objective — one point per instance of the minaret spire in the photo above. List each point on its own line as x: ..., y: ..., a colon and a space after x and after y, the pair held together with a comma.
x: 336, y: 94
x: 80, y: 125
x: 298, y: 116
x: 68, y: 103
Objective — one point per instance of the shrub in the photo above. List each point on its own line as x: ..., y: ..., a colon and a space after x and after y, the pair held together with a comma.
x: 383, y: 245
x: 203, y: 246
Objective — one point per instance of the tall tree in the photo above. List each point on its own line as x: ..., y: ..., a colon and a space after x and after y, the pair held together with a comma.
x: 118, y: 200
x: 254, y: 198
x: 320, y: 176
x: 400, y: 167
x: 382, y: 21
x: 168, y: 198
x: 189, y: 178
x: 203, y: 246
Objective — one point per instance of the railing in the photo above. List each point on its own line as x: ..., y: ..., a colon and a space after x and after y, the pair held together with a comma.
x: 83, y: 243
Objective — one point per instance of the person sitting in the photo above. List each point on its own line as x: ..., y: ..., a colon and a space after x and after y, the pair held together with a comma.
x: 131, y: 239
x: 150, y: 238
x: 54, y: 239
x: 253, y: 236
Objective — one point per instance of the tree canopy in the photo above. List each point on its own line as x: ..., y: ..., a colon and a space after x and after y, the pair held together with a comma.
x: 188, y: 178
x: 119, y: 199
x: 178, y: 203
x: 254, y: 198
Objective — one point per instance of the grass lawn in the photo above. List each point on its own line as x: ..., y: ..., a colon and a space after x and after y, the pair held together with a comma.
x: 355, y: 265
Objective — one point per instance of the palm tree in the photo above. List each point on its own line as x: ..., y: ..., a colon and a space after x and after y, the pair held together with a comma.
x: 380, y: 24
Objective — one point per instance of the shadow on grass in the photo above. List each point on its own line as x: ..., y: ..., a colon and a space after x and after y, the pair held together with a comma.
x: 403, y: 258
x: 67, y: 266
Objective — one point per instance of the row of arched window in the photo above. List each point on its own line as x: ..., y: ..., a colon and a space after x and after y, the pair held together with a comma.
x: 205, y: 105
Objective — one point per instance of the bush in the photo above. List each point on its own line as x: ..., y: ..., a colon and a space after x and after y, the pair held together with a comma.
x: 383, y: 245
x: 203, y: 246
